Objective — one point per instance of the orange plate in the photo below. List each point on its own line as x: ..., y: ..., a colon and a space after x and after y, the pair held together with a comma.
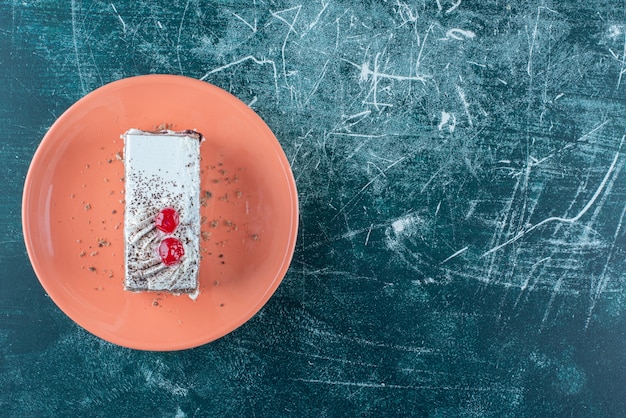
x: 73, y: 204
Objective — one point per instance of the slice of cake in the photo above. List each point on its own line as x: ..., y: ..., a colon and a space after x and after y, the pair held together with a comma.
x: 162, y: 211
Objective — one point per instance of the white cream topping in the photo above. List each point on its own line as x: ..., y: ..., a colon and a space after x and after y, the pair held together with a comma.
x: 162, y: 170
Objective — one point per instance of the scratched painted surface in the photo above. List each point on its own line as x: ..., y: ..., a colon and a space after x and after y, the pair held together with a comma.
x: 460, y: 169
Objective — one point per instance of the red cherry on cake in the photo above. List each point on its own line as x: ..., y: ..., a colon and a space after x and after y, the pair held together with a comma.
x: 167, y: 220
x: 171, y: 251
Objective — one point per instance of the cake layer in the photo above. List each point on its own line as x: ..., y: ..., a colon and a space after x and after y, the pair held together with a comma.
x: 162, y: 210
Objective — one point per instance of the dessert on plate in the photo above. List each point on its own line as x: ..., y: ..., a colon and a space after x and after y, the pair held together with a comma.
x: 162, y: 210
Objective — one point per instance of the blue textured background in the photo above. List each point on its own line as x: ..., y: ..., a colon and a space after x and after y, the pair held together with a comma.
x: 460, y: 169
